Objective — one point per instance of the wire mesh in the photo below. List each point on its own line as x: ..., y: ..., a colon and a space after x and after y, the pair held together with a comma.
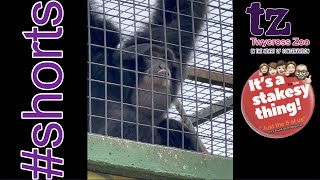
x: 199, y: 96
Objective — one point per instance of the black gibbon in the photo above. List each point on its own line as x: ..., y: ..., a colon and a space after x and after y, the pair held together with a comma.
x: 157, y: 68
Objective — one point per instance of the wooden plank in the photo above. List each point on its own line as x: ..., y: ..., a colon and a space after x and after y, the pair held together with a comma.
x: 216, y: 110
x: 203, y: 75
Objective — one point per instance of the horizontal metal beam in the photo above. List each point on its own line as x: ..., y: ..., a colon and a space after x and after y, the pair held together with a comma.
x: 215, y: 109
x: 147, y: 161
x: 204, y: 75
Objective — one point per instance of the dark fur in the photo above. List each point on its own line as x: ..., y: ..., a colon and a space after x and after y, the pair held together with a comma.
x: 160, y: 102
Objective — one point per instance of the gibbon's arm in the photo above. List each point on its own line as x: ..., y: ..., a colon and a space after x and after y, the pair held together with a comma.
x: 99, y: 21
x: 187, y: 122
x: 175, y: 137
x: 103, y: 33
x: 97, y: 31
x: 172, y: 22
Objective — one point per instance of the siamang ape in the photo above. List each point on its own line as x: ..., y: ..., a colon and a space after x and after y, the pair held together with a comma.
x: 141, y: 77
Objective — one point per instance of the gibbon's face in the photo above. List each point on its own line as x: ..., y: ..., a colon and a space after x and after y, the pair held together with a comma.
x: 158, y: 68
x: 291, y: 68
x: 264, y: 69
x: 158, y: 72
x: 281, y: 69
x: 272, y: 71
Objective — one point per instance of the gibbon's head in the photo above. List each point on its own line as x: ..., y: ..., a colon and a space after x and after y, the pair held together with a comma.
x: 150, y: 64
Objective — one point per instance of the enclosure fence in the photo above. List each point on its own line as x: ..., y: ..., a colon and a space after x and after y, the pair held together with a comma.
x: 205, y: 98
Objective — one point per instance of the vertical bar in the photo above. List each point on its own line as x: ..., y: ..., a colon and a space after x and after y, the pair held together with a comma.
x: 136, y: 59
x: 224, y: 85
x: 166, y: 59
x: 152, y: 74
x: 210, y: 89
x: 180, y: 54
x: 121, y: 69
x: 105, y: 69
x: 195, y: 74
x: 89, y: 63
